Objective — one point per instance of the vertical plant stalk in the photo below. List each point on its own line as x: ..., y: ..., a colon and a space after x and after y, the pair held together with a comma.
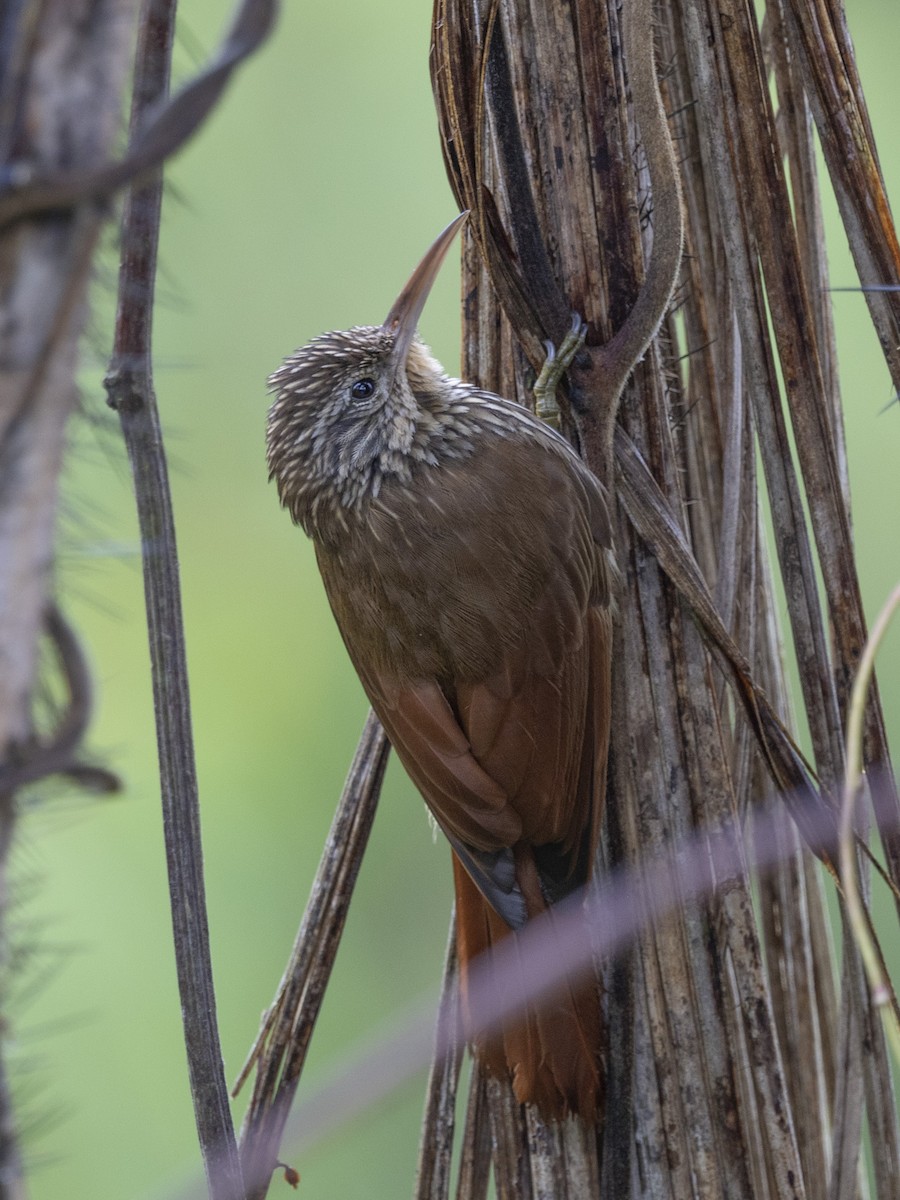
x: 728, y: 1092
x: 129, y: 384
x: 439, y: 1120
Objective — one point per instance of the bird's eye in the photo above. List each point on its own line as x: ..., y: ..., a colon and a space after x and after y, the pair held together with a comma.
x: 362, y: 389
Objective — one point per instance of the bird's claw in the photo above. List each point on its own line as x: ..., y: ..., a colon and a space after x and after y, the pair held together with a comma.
x: 555, y: 366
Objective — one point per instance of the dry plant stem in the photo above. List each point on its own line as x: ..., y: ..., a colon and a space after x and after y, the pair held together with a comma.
x: 563, y: 227
x: 860, y: 922
x: 598, y: 388
x: 822, y: 44
x: 795, y: 132
x: 475, y: 1155
x: 657, y: 525
x: 792, y: 541
x: 506, y: 1121
x: 761, y: 196
x: 279, y: 1052
x: 436, y: 1141
x: 495, y: 174
x: 794, y: 326
x: 130, y: 390
x: 772, y: 286
x: 623, y: 907
x: 855, y: 1049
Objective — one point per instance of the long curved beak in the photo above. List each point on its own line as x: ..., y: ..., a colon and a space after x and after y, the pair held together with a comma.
x: 404, y: 316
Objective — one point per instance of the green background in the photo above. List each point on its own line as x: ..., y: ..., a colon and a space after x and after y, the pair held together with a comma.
x: 301, y: 206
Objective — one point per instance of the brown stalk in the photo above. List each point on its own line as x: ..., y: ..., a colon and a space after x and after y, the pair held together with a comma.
x: 475, y: 1153
x: 439, y: 1121
x: 129, y: 384
x: 538, y: 141
x: 819, y: 36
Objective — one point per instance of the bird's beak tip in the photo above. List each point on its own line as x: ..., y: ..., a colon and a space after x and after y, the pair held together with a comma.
x: 404, y: 315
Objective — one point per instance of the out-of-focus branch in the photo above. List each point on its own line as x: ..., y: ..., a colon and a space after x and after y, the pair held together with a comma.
x: 56, y: 753
x: 61, y: 79
x: 162, y: 130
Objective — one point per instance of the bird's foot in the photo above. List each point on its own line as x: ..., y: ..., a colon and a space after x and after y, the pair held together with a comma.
x: 555, y: 366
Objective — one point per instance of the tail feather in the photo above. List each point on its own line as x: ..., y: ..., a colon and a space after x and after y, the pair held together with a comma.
x: 552, y: 1053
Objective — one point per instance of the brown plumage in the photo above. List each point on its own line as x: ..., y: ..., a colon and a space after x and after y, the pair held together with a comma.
x: 464, y: 550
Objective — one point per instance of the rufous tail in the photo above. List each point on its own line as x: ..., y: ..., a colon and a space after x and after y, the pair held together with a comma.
x: 552, y: 1053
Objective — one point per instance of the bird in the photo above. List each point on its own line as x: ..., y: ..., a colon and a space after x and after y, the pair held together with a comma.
x: 467, y: 555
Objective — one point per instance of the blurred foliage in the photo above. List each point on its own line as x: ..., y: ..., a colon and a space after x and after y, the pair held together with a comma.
x: 301, y: 206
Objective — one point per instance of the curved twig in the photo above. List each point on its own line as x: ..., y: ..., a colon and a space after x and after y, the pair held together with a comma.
x: 599, y: 374
x: 56, y: 754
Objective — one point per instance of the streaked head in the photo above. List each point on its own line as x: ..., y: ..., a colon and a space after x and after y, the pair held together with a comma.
x: 345, y: 411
